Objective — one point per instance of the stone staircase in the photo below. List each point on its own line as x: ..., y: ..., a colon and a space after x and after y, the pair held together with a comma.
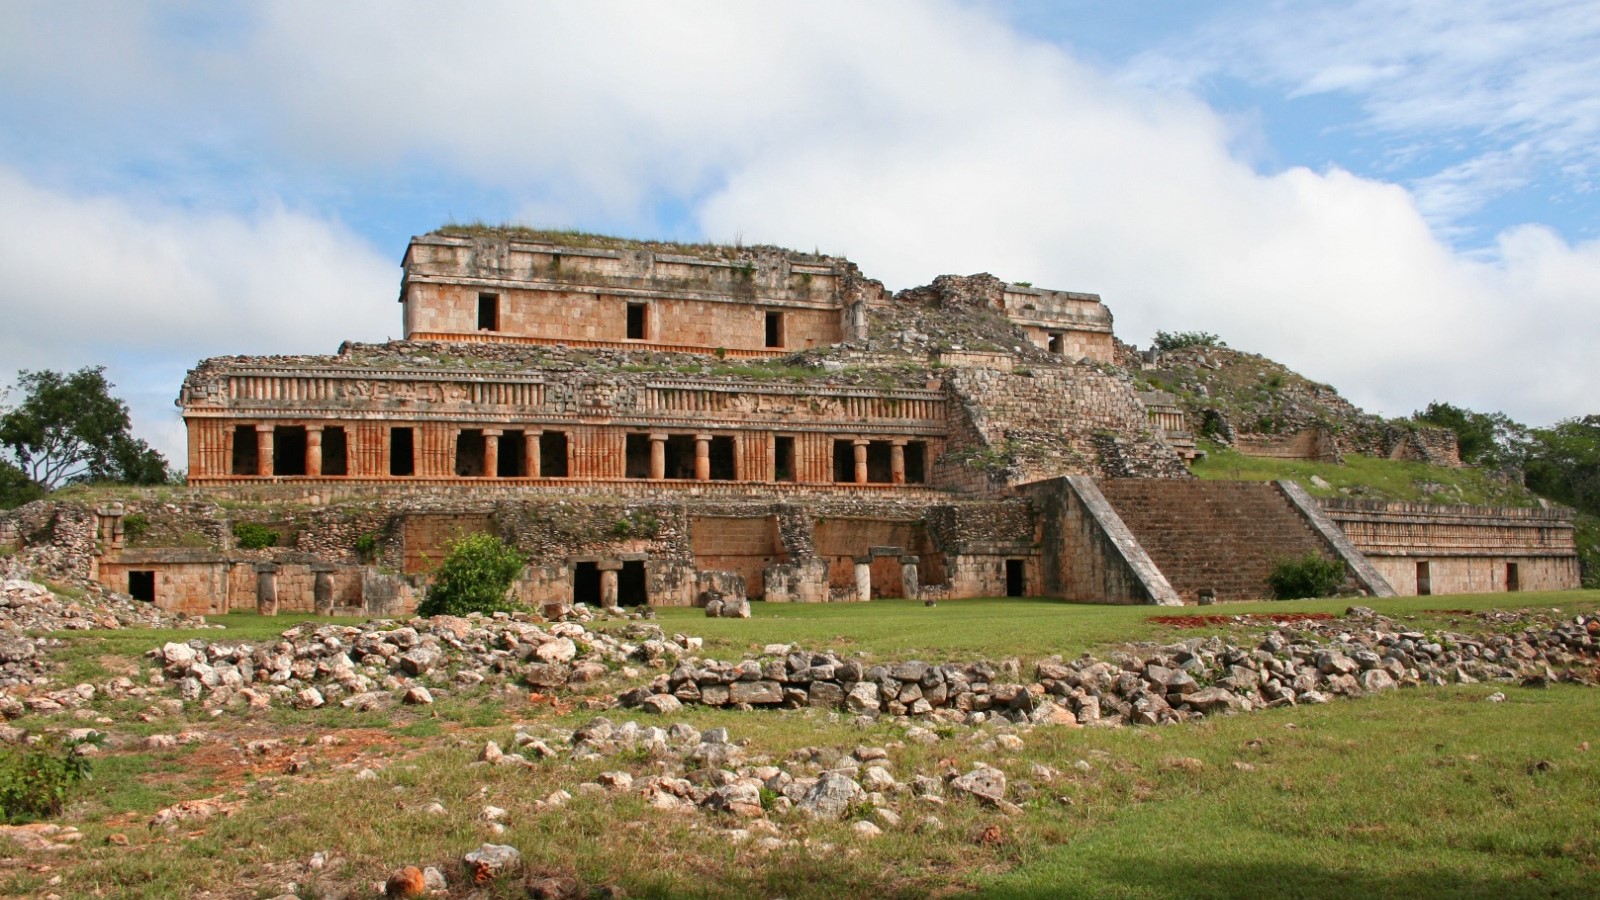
x: 1222, y: 536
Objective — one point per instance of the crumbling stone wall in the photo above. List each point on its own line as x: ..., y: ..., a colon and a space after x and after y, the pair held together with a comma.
x: 1032, y: 424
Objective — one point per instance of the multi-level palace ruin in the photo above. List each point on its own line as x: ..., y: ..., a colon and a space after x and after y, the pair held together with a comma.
x: 648, y: 420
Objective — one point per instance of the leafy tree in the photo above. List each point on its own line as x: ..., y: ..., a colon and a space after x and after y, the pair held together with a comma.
x: 68, y: 428
x: 1564, y: 463
x: 16, y: 488
x: 1491, y: 440
x: 474, y: 577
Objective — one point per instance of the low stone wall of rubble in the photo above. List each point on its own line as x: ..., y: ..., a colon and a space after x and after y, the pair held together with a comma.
x: 378, y: 663
x: 1308, y: 662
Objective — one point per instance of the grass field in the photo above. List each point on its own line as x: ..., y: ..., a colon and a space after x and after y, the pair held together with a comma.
x: 1429, y: 792
x: 1368, y: 477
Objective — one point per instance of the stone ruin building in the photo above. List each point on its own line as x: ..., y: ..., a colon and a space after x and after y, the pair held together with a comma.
x: 660, y: 423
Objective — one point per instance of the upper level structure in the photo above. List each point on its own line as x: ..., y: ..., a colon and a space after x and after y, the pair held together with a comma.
x: 525, y: 286
x: 566, y: 361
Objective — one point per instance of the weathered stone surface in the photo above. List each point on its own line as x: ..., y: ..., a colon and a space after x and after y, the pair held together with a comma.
x: 984, y: 782
x: 831, y: 796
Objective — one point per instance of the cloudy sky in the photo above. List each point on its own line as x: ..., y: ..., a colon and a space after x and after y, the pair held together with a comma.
x: 1398, y: 198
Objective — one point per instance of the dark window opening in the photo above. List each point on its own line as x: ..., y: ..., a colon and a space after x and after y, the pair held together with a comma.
x: 470, y: 453
x: 916, y: 462
x: 637, y: 454
x: 1056, y: 345
x: 488, y: 312
x: 880, y: 462
x: 513, y: 455
x: 335, y: 451
x: 142, y: 586
x: 774, y: 329
x: 586, y: 583
x: 289, y: 450
x: 1513, y: 577
x: 680, y: 456
x: 553, y: 456
x: 637, y: 321
x: 1016, y: 579
x: 1424, y: 580
x: 724, y: 466
x: 631, y: 586
x: 844, y: 462
x: 245, y: 458
x: 402, y: 451
x: 783, y: 459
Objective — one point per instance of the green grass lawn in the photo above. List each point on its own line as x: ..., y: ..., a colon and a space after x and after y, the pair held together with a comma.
x: 1367, y: 477
x: 1427, y: 792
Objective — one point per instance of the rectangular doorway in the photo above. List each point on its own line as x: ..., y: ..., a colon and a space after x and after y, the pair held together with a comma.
x: 586, y: 583
x: 142, y: 586
x: 1513, y: 577
x: 1424, y: 580
x: 631, y: 586
x: 1016, y: 578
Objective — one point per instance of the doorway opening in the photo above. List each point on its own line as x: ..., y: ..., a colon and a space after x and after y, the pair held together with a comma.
x: 1016, y: 579
x: 631, y: 588
x: 586, y: 583
x: 142, y: 586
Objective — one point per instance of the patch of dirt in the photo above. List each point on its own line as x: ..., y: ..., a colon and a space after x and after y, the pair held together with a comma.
x: 1249, y: 618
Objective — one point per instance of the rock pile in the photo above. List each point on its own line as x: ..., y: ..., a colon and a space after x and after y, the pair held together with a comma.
x: 1303, y: 662
x: 708, y: 771
x: 371, y: 665
x: 30, y: 606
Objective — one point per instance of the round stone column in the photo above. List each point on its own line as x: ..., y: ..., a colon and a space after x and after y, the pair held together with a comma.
x: 864, y: 578
x: 267, y: 589
x: 608, y: 583
x: 322, y: 588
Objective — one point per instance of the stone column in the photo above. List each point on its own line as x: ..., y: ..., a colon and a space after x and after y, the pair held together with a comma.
x: 608, y: 583
x: 864, y: 578
x: 861, y: 461
x: 263, y: 449
x: 322, y: 588
x: 530, y: 452
x: 658, y: 456
x: 702, y: 457
x: 909, y: 577
x: 897, y: 462
x: 491, y: 452
x: 267, y: 589
x: 313, y: 449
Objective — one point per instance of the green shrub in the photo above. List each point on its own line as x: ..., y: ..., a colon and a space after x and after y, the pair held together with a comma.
x: 1177, y: 340
x: 367, y: 546
x: 35, y: 781
x: 252, y: 536
x: 1306, y: 576
x: 134, y: 525
x: 474, y: 577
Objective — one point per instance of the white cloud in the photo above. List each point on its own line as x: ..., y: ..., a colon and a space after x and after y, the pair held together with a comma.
x: 1515, y: 78
x: 147, y: 291
x: 919, y: 138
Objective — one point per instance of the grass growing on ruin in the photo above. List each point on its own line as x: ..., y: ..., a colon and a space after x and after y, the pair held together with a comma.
x: 1366, y: 477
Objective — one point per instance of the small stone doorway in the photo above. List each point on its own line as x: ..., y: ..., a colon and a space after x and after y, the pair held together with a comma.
x: 142, y: 586
x: 631, y: 587
x: 1424, y: 580
x: 586, y: 583
x: 1016, y: 578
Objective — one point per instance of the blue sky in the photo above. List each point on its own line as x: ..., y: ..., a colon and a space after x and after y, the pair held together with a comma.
x: 1395, y: 198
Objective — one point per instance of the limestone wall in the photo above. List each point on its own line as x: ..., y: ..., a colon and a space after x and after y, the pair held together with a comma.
x: 1462, y: 549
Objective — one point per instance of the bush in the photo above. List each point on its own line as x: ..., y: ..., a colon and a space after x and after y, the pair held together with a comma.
x: 35, y: 781
x: 254, y: 537
x: 474, y: 577
x: 367, y: 546
x: 1177, y: 340
x: 1307, y: 576
x: 134, y: 525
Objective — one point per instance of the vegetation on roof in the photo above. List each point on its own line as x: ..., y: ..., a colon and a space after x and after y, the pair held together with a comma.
x: 572, y: 237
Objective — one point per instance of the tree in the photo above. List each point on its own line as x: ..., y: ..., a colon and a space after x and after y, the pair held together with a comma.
x: 474, y: 577
x: 69, y: 428
x: 1491, y: 440
x: 16, y: 488
x: 1564, y: 463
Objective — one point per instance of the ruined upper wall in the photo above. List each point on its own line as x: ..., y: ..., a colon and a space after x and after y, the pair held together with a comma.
x: 1062, y: 323
x: 513, y: 284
